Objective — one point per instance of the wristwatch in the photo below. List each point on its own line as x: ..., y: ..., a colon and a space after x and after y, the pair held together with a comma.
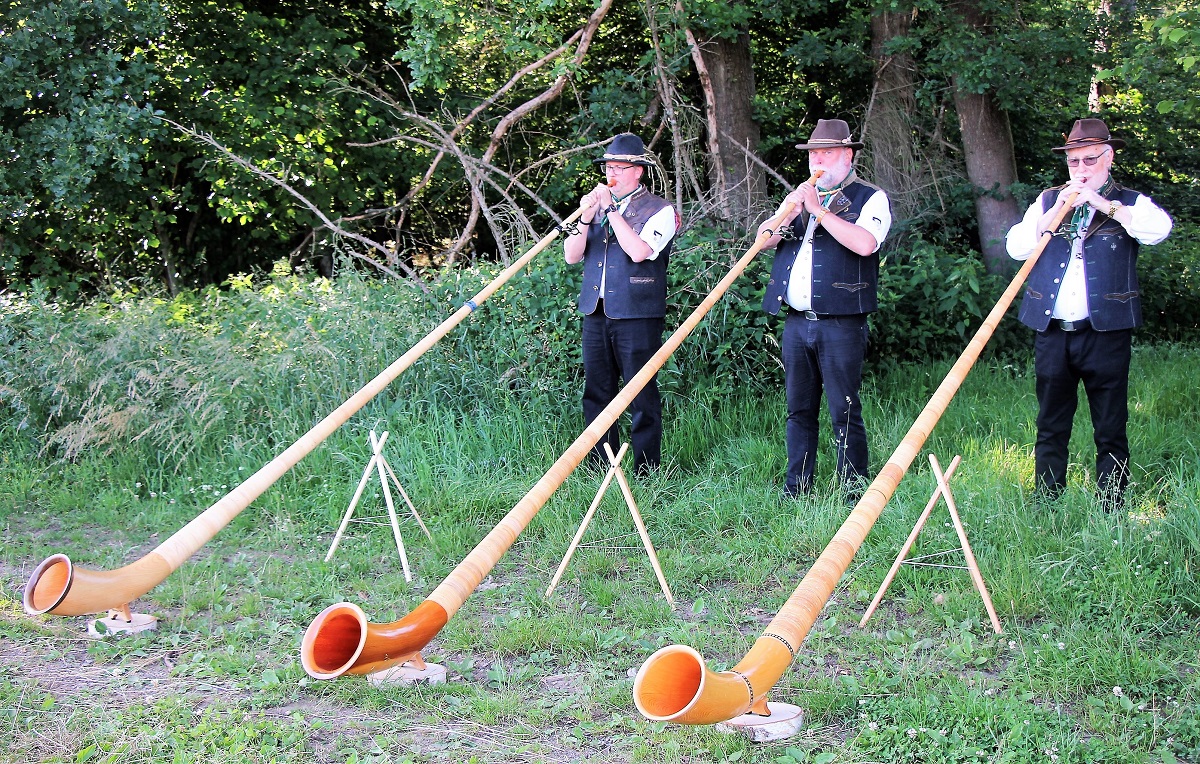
x: 1113, y: 206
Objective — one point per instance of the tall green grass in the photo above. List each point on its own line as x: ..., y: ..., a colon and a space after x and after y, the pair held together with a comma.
x: 123, y: 420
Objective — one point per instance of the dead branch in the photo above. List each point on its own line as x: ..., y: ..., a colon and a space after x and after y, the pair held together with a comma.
x: 517, y: 78
x: 555, y: 89
x: 582, y: 39
x: 710, y: 103
x: 546, y: 96
x: 479, y: 203
x: 481, y: 165
x: 753, y: 158
x: 325, y: 221
x: 466, y: 121
x: 558, y: 156
x: 666, y: 95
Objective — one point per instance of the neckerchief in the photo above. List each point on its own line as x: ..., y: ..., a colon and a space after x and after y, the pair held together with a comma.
x: 1076, y: 229
x: 617, y: 201
x: 826, y: 196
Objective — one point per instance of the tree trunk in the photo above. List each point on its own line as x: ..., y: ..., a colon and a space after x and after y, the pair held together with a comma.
x: 991, y: 169
x: 891, y: 154
x: 727, y: 78
x: 1099, y: 89
x: 991, y: 163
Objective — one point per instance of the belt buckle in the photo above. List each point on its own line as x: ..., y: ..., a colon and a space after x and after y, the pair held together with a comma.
x: 1070, y: 326
x: 811, y: 315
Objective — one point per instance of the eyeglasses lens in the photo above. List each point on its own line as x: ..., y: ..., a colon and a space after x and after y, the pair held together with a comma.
x: 1087, y: 161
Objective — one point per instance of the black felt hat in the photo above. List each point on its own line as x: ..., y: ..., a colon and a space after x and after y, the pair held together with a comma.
x: 626, y: 147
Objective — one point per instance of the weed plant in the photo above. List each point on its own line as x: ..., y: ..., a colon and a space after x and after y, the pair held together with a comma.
x: 124, y: 420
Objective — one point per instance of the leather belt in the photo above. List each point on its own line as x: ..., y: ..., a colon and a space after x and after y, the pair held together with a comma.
x: 1072, y: 326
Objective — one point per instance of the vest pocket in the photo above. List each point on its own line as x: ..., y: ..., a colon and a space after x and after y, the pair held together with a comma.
x: 850, y: 287
x: 1121, y: 296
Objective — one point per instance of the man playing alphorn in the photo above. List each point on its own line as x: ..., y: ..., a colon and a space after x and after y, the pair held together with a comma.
x: 1082, y: 298
x: 624, y: 248
x: 826, y: 277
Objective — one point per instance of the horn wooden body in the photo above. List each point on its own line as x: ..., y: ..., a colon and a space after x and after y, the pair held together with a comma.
x: 674, y: 684
x: 59, y: 587
x: 327, y: 649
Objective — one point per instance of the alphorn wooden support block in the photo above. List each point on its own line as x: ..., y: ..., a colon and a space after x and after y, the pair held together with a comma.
x: 412, y: 671
x: 121, y: 620
x: 943, y: 491
x: 387, y: 477
x: 615, y: 471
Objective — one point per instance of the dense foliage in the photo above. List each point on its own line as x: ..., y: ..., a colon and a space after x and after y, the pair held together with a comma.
x: 166, y: 370
x: 181, y: 142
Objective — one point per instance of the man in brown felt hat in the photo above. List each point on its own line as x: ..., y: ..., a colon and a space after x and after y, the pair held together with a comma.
x: 624, y: 247
x: 1083, y: 300
x: 825, y: 275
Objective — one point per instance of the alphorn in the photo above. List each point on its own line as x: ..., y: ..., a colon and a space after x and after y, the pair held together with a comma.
x: 675, y: 684
x: 341, y: 640
x: 57, y: 586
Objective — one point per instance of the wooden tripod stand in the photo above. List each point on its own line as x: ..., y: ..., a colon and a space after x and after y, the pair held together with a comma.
x: 942, y: 490
x: 614, y: 470
x: 379, y: 463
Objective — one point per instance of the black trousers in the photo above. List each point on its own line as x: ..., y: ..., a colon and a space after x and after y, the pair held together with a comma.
x: 616, y: 349
x: 825, y: 354
x: 1101, y: 361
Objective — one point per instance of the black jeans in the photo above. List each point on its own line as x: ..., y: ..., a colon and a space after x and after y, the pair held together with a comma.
x: 1101, y: 361
x: 616, y: 349
x: 824, y: 353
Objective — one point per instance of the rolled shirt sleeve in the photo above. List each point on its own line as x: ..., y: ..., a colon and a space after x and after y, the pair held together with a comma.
x: 659, y: 230
x: 1022, y: 238
x: 1150, y: 223
x: 876, y: 217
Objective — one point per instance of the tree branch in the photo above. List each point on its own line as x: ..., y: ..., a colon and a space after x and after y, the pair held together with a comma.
x: 325, y: 221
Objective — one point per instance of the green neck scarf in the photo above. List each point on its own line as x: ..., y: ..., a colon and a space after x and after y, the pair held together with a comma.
x: 617, y: 201
x: 826, y: 194
x: 1076, y: 228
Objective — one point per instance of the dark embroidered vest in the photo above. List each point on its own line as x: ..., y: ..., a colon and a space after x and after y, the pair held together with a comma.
x: 1110, y: 269
x: 631, y: 290
x: 843, y: 283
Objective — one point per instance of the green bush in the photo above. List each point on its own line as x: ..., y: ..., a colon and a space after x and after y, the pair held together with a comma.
x: 1169, y: 274
x: 143, y: 367
x: 932, y: 301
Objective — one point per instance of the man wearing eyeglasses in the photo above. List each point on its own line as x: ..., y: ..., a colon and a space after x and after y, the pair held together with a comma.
x: 1082, y: 298
x: 624, y: 246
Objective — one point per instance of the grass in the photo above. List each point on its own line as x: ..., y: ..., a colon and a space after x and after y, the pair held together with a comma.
x: 124, y: 423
